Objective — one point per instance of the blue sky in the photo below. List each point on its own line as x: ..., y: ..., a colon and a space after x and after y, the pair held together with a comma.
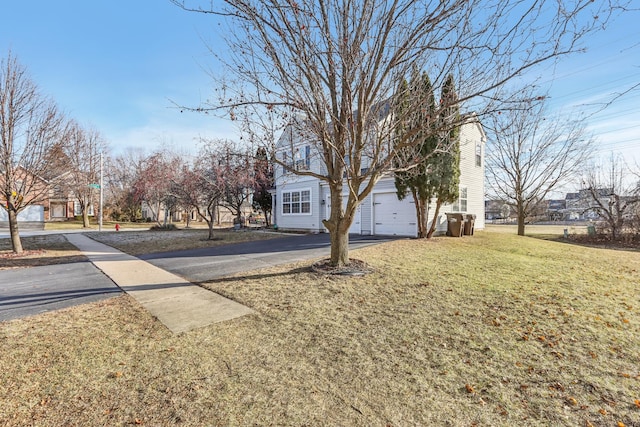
x: 116, y: 65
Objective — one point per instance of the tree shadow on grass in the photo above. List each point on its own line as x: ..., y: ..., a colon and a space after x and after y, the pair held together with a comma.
x: 258, y: 276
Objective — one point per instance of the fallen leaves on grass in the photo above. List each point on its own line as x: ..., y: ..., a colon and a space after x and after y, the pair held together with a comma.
x: 23, y: 254
x: 322, y: 346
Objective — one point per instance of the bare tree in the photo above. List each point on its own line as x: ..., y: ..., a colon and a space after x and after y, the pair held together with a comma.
x: 235, y: 170
x: 529, y: 155
x: 120, y: 176
x: 333, y: 65
x: 152, y: 185
x: 614, y: 196
x: 200, y: 187
x: 83, y: 152
x: 31, y: 126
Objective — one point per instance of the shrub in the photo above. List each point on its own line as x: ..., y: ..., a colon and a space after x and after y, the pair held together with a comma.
x: 164, y: 227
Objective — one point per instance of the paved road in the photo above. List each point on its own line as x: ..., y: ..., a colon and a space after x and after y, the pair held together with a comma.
x: 29, y: 291
x: 201, y: 265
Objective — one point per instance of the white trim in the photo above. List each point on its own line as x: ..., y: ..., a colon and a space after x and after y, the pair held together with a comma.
x: 299, y: 202
x: 457, y: 205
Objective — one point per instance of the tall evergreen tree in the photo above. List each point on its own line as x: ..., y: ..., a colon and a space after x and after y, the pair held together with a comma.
x: 436, y: 147
x: 417, y: 102
x: 445, y: 164
x: 263, y: 171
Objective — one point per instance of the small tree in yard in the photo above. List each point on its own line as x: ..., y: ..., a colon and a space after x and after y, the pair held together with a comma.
x: 614, y: 198
x: 83, y: 153
x: 200, y: 188
x: 121, y: 172
x: 335, y: 65
x: 530, y: 154
x: 234, y: 169
x: 30, y: 128
x: 263, y: 178
x: 153, y: 183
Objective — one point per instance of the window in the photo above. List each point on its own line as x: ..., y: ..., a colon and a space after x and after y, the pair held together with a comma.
x: 460, y: 205
x: 478, y: 155
x: 298, y: 159
x: 77, y: 209
x: 296, y: 202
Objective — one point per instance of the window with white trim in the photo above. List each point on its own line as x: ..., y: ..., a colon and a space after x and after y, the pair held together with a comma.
x: 296, y: 202
x: 460, y: 205
x: 478, y: 155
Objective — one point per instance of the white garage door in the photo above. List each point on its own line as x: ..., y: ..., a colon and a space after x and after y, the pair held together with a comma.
x: 393, y: 217
x: 356, y: 226
x: 34, y: 213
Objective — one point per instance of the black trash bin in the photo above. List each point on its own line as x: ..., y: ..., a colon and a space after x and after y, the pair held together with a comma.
x: 469, y: 224
x: 455, y: 224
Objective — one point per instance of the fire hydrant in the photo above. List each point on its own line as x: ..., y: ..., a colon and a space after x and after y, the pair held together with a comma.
x: 117, y: 227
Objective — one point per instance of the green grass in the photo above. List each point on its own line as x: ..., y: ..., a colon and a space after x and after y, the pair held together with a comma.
x: 492, y: 330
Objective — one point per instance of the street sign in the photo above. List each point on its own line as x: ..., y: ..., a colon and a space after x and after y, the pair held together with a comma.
x: 94, y: 186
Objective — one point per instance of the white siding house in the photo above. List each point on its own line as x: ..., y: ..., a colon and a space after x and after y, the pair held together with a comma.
x: 302, y: 202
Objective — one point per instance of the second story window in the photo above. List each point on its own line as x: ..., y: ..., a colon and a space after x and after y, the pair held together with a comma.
x: 298, y: 159
x: 303, y: 158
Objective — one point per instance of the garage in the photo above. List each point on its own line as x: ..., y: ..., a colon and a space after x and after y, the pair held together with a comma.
x: 393, y: 217
x: 30, y: 217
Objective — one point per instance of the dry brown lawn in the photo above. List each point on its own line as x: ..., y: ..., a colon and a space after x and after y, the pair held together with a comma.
x: 149, y: 241
x: 492, y: 330
x: 39, y: 250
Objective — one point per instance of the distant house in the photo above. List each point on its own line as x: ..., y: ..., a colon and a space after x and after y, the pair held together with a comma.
x: 49, y: 197
x: 556, y: 209
x: 580, y: 205
x: 302, y: 202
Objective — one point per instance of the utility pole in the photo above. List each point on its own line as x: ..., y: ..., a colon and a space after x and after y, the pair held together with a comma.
x: 101, y: 195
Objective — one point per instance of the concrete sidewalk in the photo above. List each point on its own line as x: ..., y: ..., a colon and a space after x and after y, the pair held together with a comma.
x: 180, y: 305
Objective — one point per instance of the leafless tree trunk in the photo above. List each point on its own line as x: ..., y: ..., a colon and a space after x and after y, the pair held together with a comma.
x: 83, y: 164
x: 30, y: 127
x: 332, y: 67
x: 529, y: 155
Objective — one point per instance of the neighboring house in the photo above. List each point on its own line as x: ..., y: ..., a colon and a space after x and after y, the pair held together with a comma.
x: 496, y: 210
x: 51, y: 202
x: 580, y: 205
x: 556, y: 209
x: 61, y: 203
x: 301, y: 203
